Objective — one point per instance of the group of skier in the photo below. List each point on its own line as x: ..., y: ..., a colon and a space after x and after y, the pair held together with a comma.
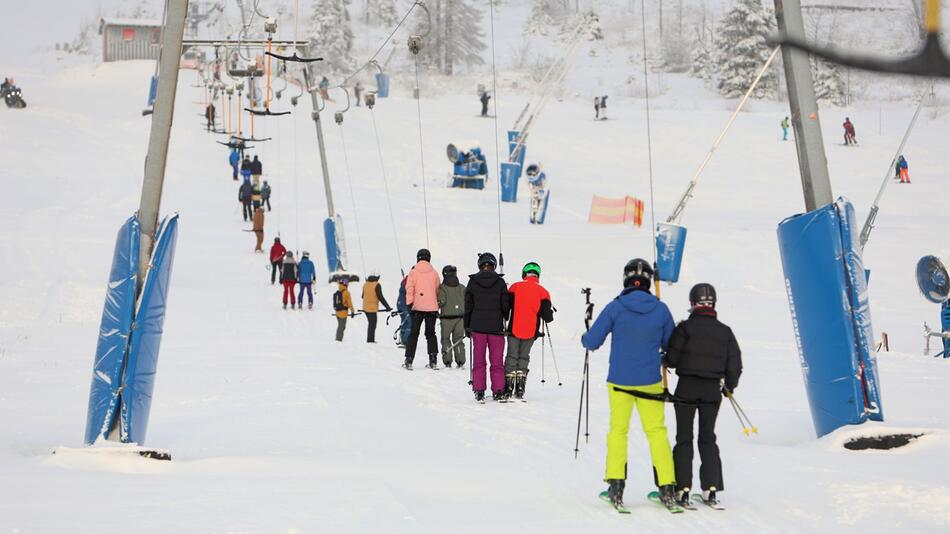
x: 644, y: 339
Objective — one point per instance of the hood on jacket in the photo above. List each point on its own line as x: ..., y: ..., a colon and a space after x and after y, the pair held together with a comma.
x: 424, y: 267
x: 638, y: 301
x: 486, y: 279
x: 451, y: 280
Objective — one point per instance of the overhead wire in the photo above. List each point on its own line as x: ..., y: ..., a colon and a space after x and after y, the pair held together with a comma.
x: 389, y: 203
x: 646, y: 89
x: 494, y: 88
x: 422, y: 159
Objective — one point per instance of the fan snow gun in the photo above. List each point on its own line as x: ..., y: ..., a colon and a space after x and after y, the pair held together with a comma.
x: 470, y: 169
x: 933, y: 280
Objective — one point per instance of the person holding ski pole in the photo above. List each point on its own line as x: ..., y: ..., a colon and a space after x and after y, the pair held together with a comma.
x: 451, y: 297
x: 277, y: 251
x: 342, y: 306
x: 372, y: 298
x: 486, y: 306
x: 530, y: 304
x: 288, y: 277
x: 640, y: 327
x: 422, y: 287
x: 306, y: 274
x: 708, y: 362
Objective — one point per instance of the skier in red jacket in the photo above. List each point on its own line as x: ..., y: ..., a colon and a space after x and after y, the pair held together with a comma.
x: 849, y: 138
x: 276, y: 259
x: 530, y: 304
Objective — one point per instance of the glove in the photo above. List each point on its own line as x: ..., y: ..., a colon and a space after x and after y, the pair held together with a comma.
x: 468, y: 332
x: 726, y: 392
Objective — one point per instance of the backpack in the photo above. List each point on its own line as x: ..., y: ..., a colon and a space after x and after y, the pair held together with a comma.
x: 338, y: 301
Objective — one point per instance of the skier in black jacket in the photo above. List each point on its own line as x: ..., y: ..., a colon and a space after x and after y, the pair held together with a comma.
x: 244, y: 197
x: 486, y: 306
x: 708, y: 362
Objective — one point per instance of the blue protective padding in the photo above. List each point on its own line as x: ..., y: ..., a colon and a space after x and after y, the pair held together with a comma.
x: 382, y: 85
x: 945, y: 323
x: 510, y: 172
x: 820, y: 261
x: 114, y: 331
x: 333, y: 253
x: 152, y: 90
x: 860, y: 308
x: 142, y: 362
x: 670, y: 244
x: 512, y: 138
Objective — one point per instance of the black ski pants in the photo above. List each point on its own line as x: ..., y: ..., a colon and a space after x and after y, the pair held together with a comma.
x: 707, y: 390
x: 266, y: 202
x: 275, y: 267
x: 370, y: 327
x: 247, y: 211
x: 418, y: 318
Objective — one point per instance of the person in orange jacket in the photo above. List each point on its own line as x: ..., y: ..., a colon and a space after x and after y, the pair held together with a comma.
x: 342, y: 307
x: 530, y: 304
x: 422, y: 287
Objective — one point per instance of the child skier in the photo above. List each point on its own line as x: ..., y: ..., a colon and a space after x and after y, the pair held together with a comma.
x: 306, y: 274
x: 422, y: 287
x: 530, y: 304
x: 451, y: 299
x: 288, y: 277
x: 372, y: 298
x: 704, y: 353
x: 640, y: 326
x: 342, y: 306
x: 277, y: 251
x: 486, y: 306
x: 785, y: 129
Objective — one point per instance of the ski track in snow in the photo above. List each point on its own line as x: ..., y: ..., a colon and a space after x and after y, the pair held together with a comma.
x: 274, y: 427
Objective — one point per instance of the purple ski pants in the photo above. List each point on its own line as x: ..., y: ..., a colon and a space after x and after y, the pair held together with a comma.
x: 496, y: 348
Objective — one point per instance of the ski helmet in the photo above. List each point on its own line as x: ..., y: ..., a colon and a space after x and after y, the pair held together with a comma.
x: 487, y: 258
x: 423, y: 255
x: 533, y: 169
x: 449, y: 270
x: 531, y: 268
x: 637, y: 273
x: 305, y: 254
x: 703, y: 295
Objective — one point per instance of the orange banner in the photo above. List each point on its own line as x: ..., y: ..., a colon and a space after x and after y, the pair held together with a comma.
x: 626, y: 210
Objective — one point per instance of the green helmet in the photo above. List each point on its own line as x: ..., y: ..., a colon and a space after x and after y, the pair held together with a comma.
x: 529, y: 268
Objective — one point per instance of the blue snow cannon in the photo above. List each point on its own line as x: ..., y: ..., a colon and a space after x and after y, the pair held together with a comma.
x: 933, y: 279
x: 469, y: 167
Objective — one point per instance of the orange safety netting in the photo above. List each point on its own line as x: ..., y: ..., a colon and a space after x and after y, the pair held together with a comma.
x: 626, y: 210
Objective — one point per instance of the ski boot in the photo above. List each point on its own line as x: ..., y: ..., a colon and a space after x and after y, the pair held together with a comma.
x: 709, y: 497
x: 521, y: 380
x: 480, y: 397
x: 615, y: 488
x: 407, y: 365
x: 310, y: 306
x: 498, y: 396
x: 509, y: 386
x: 667, y: 497
x: 285, y: 305
x: 432, y: 363
x: 682, y: 497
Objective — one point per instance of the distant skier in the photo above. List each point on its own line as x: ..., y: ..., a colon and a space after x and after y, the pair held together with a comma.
x: 422, y: 287
x: 234, y: 159
x: 358, y: 93
x: 257, y: 195
x: 288, y: 278
x: 902, y: 170
x: 704, y: 353
x: 343, y: 307
x: 596, y: 108
x: 245, y: 192
x: 484, y: 97
x: 603, y: 108
x: 849, y: 138
x: 785, y: 129
x: 324, y: 88
x: 246, y: 168
x: 257, y: 224
x: 277, y: 251
x: 306, y: 274
x: 486, y: 307
x: 265, y: 194
x: 257, y: 169
x: 530, y: 304
x: 451, y: 298
x: 372, y: 298
x: 537, y: 182
x: 640, y: 326
x: 209, y: 116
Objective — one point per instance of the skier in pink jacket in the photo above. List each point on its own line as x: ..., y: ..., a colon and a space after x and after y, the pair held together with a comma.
x: 422, y: 286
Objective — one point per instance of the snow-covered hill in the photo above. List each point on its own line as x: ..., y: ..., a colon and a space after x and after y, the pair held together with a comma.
x: 276, y: 428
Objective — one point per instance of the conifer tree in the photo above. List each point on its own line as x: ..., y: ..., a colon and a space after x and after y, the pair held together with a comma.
x: 742, y: 49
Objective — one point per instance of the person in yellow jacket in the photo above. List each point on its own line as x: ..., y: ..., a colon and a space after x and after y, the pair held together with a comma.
x: 343, y: 306
x: 372, y: 298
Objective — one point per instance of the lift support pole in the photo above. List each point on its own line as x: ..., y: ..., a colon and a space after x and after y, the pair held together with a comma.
x: 164, y: 109
x: 308, y: 78
x: 812, y: 162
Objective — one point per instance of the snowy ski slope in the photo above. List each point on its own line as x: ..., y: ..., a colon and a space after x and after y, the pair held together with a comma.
x: 276, y: 428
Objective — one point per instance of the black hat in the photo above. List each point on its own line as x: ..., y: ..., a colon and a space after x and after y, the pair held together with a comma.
x: 423, y: 254
x: 637, y: 273
x: 703, y: 295
x: 487, y: 258
x: 449, y: 270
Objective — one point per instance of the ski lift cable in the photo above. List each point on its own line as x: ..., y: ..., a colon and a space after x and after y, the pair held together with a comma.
x: 389, y: 203
x: 295, y: 58
x: 646, y: 89
x: 494, y: 88
x: 677, y: 214
x: 349, y: 181
x: 872, y: 214
x: 422, y: 160
x: 389, y: 37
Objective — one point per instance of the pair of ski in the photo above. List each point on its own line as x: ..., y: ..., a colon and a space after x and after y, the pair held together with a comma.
x: 674, y: 508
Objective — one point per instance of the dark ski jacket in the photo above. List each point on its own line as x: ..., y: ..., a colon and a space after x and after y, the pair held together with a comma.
x: 486, y: 303
x: 288, y: 271
x: 256, y: 166
x: 265, y: 191
x: 245, y: 192
x: 246, y: 164
x: 703, y: 347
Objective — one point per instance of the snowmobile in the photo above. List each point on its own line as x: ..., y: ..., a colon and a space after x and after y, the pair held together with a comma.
x: 13, y: 97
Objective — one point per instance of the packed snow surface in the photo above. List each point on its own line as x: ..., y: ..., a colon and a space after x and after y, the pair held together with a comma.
x: 274, y: 427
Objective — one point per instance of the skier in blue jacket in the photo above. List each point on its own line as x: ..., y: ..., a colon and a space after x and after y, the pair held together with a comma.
x: 306, y: 274
x: 234, y: 158
x: 640, y: 326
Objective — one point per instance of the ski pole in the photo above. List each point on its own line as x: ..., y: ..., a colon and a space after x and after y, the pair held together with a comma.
x: 471, y: 365
x: 753, y: 428
x: 542, y: 361
x: 745, y: 430
x: 547, y: 335
x: 580, y: 408
x: 585, y: 381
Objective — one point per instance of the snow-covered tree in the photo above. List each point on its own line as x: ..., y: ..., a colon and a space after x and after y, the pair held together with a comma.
x: 546, y: 16
x: 742, y: 49
x: 380, y: 12
x: 331, y: 34
x: 455, y: 36
x: 829, y: 86
x: 702, y: 65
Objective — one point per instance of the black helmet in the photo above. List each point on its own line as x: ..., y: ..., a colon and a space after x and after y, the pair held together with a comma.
x: 449, y: 270
x: 703, y: 295
x: 423, y: 254
x: 637, y: 273
x: 532, y: 169
x: 487, y: 258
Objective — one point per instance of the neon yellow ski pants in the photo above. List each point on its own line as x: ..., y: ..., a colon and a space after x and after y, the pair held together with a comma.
x: 652, y: 419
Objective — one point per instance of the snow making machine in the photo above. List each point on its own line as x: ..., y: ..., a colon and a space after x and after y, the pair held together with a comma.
x: 933, y: 279
x: 470, y: 169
